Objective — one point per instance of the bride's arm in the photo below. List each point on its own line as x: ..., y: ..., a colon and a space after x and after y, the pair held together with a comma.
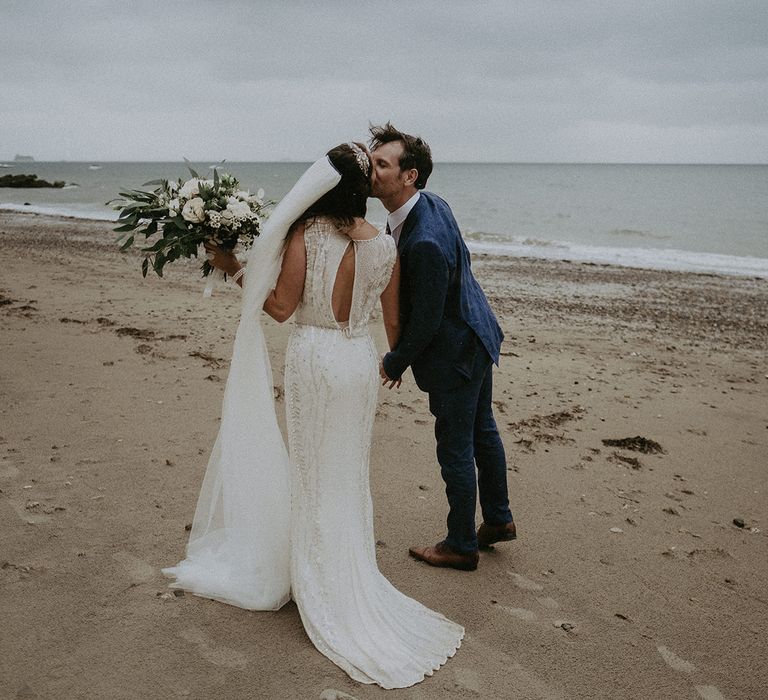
x: 284, y: 298
x: 390, y: 306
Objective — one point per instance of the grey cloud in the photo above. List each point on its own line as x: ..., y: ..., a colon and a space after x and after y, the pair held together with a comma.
x: 678, y: 81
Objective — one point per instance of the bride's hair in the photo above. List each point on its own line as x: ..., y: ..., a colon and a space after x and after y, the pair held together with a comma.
x: 350, y: 197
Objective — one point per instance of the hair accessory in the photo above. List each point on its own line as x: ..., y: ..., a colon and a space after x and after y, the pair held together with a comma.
x: 360, y: 157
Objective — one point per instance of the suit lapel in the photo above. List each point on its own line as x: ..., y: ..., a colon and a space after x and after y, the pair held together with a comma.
x: 411, y: 220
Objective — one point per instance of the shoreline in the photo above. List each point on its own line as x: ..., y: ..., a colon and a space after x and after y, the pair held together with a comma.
x: 636, y: 574
x: 738, y: 266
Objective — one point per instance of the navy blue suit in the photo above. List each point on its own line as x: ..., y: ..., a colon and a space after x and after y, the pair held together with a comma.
x: 450, y: 339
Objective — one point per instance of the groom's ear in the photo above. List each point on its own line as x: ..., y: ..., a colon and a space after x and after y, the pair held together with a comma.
x: 411, y: 176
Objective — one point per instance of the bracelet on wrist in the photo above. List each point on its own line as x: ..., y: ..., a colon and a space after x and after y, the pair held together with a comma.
x: 238, y: 275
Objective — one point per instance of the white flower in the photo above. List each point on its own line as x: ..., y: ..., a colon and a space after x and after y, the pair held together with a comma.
x: 240, y: 210
x: 173, y: 207
x: 190, y: 189
x: 194, y: 211
x: 173, y: 186
x: 227, y: 217
x: 242, y: 195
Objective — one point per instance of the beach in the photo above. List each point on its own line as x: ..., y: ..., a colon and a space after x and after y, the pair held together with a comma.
x: 641, y: 568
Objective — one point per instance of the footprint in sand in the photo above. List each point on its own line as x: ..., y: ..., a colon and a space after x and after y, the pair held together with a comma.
x: 137, y: 569
x: 525, y: 583
x: 214, y: 653
x: 8, y: 471
x: 333, y: 694
x: 675, y: 662
x: 520, y: 613
x: 28, y: 516
x: 709, y: 692
x: 468, y: 679
x: 548, y: 603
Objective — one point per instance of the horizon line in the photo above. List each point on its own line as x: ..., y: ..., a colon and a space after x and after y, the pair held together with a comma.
x: 291, y: 161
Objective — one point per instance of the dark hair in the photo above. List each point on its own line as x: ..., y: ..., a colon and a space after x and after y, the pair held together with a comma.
x: 350, y: 196
x: 416, y: 152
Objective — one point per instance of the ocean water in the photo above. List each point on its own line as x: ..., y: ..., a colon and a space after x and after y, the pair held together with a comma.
x: 706, y: 218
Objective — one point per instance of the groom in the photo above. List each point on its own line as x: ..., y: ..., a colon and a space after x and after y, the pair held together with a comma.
x: 450, y: 339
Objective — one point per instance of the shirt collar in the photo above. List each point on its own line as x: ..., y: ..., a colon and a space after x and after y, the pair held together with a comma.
x: 397, y: 217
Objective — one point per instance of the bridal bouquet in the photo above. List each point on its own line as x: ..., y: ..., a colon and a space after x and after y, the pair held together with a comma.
x: 186, y: 215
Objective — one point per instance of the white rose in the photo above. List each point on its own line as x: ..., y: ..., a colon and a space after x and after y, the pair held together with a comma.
x: 194, y: 211
x: 227, y: 217
x: 189, y: 189
x: 240, y: 210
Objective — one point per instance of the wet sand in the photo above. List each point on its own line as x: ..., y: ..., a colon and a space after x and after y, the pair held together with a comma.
x: 641, y: 569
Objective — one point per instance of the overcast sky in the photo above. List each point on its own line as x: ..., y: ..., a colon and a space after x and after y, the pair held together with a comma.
x: 548, y: 81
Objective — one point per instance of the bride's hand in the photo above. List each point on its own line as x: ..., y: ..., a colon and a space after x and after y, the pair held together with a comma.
x: 390, y: 383
x: 221, y: 259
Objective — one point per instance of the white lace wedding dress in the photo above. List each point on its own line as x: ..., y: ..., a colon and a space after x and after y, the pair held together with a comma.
x: 351, y: 612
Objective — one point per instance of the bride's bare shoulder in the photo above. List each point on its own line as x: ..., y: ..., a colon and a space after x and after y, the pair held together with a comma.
x: 361, y: 230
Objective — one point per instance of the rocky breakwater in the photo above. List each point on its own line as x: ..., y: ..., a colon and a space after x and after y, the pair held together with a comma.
x: 27, y: 181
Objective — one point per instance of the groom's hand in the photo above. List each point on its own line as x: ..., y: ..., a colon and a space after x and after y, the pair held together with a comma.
x: 389, y: 383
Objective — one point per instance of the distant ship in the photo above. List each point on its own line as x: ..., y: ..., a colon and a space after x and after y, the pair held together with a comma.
x: 23, y: 159
x: 93, y: 166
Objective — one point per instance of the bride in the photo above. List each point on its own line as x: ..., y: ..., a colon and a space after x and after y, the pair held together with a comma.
x: 271, y: 524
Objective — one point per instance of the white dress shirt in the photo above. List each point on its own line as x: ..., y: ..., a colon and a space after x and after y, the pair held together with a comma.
x: 396, y: 219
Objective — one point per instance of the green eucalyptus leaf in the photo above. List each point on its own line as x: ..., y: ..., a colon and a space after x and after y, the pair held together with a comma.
x: 159, y: 263
x: 191, y: 170
x: 128, y: 243
x: 126, y: 212
x: 144, y: 267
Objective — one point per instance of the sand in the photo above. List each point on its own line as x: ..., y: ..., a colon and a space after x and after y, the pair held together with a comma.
x: 636, y: 574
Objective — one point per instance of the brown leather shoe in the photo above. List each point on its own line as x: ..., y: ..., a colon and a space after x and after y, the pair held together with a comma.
x: 491, y: 534
x: 442, y: 555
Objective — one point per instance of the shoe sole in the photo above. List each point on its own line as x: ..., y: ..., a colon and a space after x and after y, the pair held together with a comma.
x: 488, y: 545
x: 458, y: 567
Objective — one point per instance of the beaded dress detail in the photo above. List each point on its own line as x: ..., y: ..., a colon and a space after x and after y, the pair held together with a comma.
x: 350, y: 611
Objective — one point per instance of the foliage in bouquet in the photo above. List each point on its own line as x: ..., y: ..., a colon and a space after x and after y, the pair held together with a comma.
x: 184, y: 215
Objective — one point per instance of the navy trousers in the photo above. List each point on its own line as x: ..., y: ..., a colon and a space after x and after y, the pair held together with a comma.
x: 471, y: 456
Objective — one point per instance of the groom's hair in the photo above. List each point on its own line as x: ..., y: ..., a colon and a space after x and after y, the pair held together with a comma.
x: 416, y: 153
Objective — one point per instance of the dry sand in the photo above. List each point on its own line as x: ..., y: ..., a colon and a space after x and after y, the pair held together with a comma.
x: 629, y: 580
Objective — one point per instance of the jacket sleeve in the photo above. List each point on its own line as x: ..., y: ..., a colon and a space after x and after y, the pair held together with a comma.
x: 427, y: 279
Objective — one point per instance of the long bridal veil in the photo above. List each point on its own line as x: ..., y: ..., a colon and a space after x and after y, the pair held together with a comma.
x: 239, y: 546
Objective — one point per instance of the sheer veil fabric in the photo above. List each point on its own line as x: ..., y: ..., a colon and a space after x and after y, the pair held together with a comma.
x: 239, y: 546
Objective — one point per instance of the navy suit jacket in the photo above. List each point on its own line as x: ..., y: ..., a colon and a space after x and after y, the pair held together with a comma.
x: 447, y: 323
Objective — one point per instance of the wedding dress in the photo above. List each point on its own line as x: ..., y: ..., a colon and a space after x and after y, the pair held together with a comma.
x: 351, y: 612
x: 267, y: 529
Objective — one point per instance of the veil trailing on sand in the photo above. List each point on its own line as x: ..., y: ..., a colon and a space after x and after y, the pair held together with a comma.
x: 239, y: 547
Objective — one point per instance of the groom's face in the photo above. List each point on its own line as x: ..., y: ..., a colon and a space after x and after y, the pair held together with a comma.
x: 388, y: 179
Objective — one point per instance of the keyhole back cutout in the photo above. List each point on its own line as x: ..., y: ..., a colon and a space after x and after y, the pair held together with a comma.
x: 344, y: 285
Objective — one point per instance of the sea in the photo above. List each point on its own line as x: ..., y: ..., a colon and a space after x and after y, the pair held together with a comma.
x: 701, y: 218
